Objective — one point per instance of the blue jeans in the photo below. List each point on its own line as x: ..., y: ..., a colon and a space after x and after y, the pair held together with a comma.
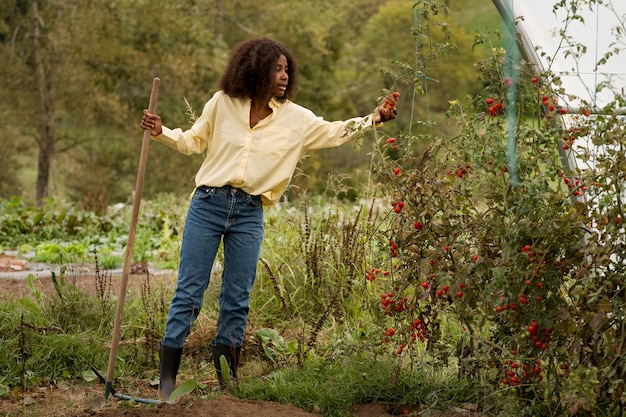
x: 214, y: 214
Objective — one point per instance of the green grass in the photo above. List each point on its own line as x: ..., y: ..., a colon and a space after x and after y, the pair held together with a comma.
x: 331, y: 387
x: 324, y: 365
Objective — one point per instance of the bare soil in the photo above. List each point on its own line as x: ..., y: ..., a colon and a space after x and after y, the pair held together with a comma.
x: 82, y: 400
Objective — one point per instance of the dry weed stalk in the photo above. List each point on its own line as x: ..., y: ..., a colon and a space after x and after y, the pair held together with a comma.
x: 103, y: 284
x: 286, y: 305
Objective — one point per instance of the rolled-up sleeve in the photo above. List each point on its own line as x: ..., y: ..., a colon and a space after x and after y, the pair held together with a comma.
x: 191, y: 141
x: 320, y: 133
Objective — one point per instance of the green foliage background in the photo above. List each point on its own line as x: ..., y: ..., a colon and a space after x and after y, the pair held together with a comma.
x: 100, y: 58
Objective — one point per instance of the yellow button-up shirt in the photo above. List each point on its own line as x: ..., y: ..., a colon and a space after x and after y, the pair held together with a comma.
x: 260, y: 160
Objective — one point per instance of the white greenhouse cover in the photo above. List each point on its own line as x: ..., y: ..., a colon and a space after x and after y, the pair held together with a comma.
x: 602, y: 30
x: 549, y: 40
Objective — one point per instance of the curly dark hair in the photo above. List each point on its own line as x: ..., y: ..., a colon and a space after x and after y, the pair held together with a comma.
x: 250, y: 70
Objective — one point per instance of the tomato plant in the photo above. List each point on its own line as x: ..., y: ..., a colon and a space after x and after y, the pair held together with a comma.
x: 521, y: 285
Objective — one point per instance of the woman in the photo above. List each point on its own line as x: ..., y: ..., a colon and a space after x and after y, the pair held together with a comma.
x: 253, y: 136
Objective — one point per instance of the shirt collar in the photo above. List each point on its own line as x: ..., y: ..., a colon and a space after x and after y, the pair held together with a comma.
x: 275, y: 104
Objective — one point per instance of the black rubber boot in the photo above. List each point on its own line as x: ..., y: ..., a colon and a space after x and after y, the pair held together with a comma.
x: 231, y: 353
x: 170, y: 361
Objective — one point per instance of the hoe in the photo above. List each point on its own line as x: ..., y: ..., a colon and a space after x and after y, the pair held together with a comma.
x: 108, y: 389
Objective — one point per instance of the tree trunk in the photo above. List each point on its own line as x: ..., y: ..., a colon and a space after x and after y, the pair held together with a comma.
x: 45, y: 108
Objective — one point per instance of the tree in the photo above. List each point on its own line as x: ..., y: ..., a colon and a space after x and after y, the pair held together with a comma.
x: 45, y: 108
x: 84, y: 71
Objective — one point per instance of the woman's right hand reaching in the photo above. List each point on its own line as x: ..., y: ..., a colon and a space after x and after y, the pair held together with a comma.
x: 387, y: 111
x: 151, y: 122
